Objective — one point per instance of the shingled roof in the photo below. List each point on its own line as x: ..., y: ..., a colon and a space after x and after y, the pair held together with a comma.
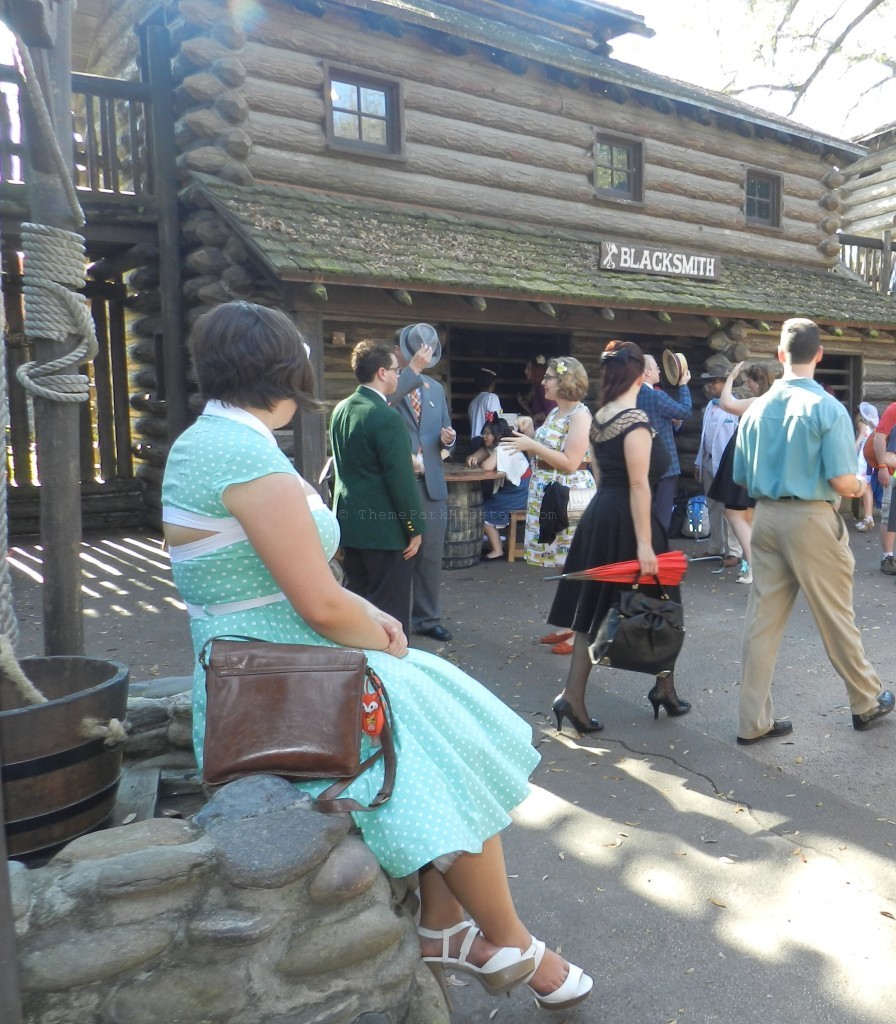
x: 302, y: 235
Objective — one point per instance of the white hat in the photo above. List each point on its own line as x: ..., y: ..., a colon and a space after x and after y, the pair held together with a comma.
x: 868, y: 412
x: 414, y: 337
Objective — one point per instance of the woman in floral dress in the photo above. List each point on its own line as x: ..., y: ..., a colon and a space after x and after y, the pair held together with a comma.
x: 559, y: 450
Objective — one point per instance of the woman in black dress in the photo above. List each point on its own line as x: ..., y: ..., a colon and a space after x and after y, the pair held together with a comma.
x: 616, y: 526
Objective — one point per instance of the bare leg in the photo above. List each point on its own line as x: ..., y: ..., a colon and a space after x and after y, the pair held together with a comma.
x: 577, y: 680
x: 741, y: 522
x: 478, y: 882
x: 494, y: 539
x: 867, y: 504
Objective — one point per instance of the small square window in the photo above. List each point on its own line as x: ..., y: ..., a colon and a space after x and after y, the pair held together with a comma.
x: 618, y: 169
x: 363, y: 113
x: 763, y: 199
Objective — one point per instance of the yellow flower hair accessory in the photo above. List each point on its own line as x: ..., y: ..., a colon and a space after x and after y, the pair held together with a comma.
x: 561, y: 367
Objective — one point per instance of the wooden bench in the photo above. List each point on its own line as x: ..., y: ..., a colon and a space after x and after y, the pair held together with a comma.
x: 515, y: 519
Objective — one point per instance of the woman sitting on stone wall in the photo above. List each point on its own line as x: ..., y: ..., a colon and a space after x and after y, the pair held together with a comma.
x: 250, y: 543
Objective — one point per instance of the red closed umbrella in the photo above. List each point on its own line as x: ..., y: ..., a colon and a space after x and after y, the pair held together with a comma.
x: 672, y: 565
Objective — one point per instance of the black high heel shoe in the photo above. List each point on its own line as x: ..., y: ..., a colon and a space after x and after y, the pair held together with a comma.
x: 668, y: 699
x: 562, y: 710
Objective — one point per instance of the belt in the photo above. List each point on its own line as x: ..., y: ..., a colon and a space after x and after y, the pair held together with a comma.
x: 205, y: 611
x: 541, y: 464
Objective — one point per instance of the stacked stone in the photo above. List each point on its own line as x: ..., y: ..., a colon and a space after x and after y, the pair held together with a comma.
x: 259, y: 911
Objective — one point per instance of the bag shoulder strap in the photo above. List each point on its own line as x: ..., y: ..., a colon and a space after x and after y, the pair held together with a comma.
x: 327, y: 803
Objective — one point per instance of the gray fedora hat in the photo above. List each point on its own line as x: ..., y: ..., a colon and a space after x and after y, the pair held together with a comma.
x: 414, y: 337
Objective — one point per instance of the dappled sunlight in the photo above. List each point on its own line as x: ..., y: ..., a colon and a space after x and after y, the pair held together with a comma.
x: 674, y: 789
x: 110, y: 570
x: 752, y: 881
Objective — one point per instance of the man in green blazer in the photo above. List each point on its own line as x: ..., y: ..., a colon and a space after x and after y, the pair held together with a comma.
x: 376, y: 498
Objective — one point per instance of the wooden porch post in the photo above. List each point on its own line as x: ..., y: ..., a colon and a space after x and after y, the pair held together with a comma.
x: 886, y: 261
x: 57, y: 423
x: 161, y: 111
x: 310, y: 429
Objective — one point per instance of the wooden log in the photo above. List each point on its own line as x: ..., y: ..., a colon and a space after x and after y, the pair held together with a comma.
x: 236, y: 142
x: 869, y: 192
x: 205, y: 123
x: 333, y: 175
x: 872, y: 162
x: 229, y: 69
x: 331, y: 39
x: 737, y: 330
x: 207, y: 159
x: 138, y: 255
x: 203, y: 87
x: 232, y: 106
x: 209, y: 261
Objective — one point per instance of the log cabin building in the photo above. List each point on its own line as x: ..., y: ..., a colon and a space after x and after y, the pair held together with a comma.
x: 483, y: 166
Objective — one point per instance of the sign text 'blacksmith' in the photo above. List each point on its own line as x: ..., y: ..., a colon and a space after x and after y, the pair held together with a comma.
x: 642, y: 259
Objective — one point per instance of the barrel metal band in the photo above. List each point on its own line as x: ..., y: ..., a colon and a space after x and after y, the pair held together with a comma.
x: 18, y: 770
x: 40, y: 821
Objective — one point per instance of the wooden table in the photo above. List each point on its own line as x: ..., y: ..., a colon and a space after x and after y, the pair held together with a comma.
x: 463, y: 538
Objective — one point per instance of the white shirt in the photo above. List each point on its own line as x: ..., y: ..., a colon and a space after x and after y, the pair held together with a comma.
x: 484, y: 403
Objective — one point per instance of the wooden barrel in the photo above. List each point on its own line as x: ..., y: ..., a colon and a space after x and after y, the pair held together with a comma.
x: 463, y: 538
x: 57, y: 784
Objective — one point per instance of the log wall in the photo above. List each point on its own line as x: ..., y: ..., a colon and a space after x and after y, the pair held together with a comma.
x: 869, y: 194
x: 480, y: 140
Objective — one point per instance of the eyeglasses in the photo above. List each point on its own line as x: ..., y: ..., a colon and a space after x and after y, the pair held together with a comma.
x: 394, y: 369
x: 551, y: 376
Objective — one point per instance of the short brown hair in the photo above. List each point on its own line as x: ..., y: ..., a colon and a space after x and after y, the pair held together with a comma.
x: 369, y: 356
x: 251, y: 356
x: 800, y: 340
x: 622, y: 363
x: 572, y: 380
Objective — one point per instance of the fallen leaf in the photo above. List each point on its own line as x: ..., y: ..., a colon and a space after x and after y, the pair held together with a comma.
x: 886, y: 913
x: 562, y: 856
x: 129, y: 819
x: 634, y: 824
x: 717, y: 903
x: 492, y: 1015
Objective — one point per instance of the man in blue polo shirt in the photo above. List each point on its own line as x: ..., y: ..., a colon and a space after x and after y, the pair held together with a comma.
x: 665, y: 415
x: 795, y: 454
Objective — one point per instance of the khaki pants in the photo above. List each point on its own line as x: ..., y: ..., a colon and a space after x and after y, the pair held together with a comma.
x: 800, y: 545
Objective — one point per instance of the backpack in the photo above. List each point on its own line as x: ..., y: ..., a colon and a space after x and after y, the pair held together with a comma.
x: 696, y: 519
x: 679, y: 512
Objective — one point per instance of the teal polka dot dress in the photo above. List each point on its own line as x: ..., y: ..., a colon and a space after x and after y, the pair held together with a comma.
x: 464, y: 758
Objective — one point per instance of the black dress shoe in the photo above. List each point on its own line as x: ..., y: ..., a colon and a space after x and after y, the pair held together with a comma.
x: 436, y: 633
x: 780, y: 727
x: 885, y: 704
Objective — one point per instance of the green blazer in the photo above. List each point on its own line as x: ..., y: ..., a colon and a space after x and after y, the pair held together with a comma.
x: 375, y: 498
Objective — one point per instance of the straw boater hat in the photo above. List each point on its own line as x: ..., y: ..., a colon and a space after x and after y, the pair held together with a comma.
x: 414, y: 337
x: 674, y: 365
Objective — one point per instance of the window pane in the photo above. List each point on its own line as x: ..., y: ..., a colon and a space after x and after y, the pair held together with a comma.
x: 373, y: 101
x: 345, y: 126
x: 373, y: 130
x: 603, y: 154
x: 603, y: 178
x: 620, y: 158
x: 344, y: 95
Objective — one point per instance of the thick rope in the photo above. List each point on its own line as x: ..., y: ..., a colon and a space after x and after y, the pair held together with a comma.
x: 45, y: 124
x: 113, y: 733
x: 11, y: 670
x: 53, y: 259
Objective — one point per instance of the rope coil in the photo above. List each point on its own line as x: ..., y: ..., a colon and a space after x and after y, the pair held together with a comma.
x: 54, y: 264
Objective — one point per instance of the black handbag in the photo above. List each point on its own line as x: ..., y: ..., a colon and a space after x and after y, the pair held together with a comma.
x: 640, y: 633
x: 553, y: 517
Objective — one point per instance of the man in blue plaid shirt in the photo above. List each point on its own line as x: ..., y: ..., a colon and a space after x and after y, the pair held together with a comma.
x: 666, y: 416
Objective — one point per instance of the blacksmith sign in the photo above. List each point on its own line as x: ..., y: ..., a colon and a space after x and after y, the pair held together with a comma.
x: 643, y: 259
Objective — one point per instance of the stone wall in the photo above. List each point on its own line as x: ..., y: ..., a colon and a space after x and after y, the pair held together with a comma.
x: 257, y: 911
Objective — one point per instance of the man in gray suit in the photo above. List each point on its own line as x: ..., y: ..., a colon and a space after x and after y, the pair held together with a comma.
x: 421, y: 402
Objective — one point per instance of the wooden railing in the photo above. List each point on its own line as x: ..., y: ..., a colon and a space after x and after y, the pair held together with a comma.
x: 871, y: 259
x: 111, y: 135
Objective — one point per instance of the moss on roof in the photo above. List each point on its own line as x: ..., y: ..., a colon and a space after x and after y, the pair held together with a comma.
x: 302, y: 235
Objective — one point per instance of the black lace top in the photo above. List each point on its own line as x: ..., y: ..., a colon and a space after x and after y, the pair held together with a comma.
x: 607, y: 445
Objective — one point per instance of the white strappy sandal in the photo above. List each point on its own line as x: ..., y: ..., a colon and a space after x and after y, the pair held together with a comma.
x: 576, y: 988
x: 506, y: 968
